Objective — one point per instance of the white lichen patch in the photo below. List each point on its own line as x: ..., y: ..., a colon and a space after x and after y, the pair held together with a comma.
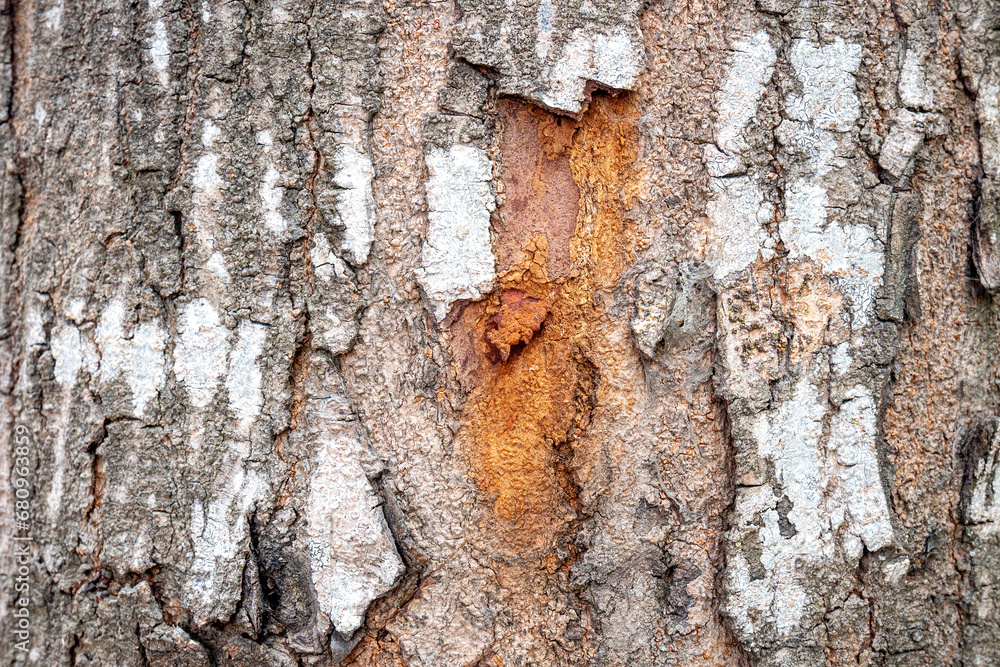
x: 988, y: 104
x: 355, y: 203
x: 817, y: 498
x: 457, y: 257
x: 746, y: 79
x: 200, y: 357
x: 217, y: 265
x: 828, y: 99
x: 326, y: 264
x: 901, y: 144
x: 35, y: 326
x: 767, y: 591
x: 852, y: 253
x: 790, y: 437
x: 159, y: 45
x: 206, y: 175
x: 853, y: 433
x: 827, y: 107
x: 270, y: 191
x: 243, y: 382
x: 75, y: 308
x: 220, y: 537
x: 53, y: 16
x: 40, y: 114
x: 351, y: 551
x: 210, y: 132
x: 613, y: 59
x: 159, y: 52
x: 738, y: 210
x: 914, y: 91
x: 72, y: 352
x: 841, y: 360
x: 271, y: 195
x: 554, y: 52
x: 137, y: 355
x: 739, y: 215
x: 147, y: 372
x: 206, y: 186
x: 842, y: 495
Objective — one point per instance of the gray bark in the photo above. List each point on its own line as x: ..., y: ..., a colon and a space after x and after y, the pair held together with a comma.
x: 478, y: 333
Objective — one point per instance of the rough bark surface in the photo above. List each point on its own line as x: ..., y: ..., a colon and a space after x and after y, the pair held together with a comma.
x: 443, y: 333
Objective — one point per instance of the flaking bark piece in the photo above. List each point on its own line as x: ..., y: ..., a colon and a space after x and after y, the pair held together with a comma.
x: 519, y: 319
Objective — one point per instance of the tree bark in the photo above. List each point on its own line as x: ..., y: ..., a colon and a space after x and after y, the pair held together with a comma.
x: 481, y: 333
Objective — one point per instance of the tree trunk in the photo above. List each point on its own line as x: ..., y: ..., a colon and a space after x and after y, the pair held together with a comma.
x: 489, y: 333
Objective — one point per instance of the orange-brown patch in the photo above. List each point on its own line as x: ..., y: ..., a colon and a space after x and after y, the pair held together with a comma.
x: 813, y: 304
x: 528, y: 410
x: 540, y: 195
x: 519, y: 319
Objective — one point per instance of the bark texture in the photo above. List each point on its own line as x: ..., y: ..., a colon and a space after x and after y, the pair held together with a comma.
x: 469, y: 332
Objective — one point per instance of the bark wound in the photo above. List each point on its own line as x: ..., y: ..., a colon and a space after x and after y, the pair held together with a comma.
x: 541, y: 196
x: 526, y: 412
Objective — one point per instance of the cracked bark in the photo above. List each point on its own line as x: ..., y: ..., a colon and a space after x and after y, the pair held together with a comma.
x: 446, y: 333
